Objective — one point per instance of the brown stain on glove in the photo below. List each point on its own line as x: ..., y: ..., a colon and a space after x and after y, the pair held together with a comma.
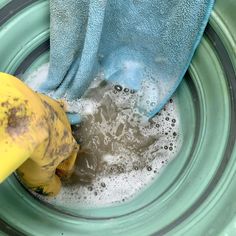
x: 35, y: 137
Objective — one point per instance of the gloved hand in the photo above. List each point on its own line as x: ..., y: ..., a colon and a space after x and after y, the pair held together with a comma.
x: 35, y: 137
x: 141, y: 45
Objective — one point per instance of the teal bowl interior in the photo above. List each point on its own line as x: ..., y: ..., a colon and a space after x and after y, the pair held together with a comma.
x: 195, y: 193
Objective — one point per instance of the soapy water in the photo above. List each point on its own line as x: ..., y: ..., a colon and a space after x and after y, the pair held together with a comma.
x: 122, y: 152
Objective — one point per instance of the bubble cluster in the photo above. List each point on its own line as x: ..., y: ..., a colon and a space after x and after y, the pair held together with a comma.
x: 122, y: 152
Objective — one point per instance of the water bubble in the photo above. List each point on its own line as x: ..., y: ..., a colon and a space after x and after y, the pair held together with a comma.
x: 135, y: 167
x: 118, y: 88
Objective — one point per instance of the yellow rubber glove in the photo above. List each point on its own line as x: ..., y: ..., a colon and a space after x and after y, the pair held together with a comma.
x: 35, y: 137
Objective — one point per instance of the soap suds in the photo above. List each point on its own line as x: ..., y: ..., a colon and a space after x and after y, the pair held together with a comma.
x: 37, y: 77
x: 122, y: 152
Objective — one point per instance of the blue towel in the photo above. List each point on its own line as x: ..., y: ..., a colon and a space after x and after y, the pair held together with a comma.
x: 144, y: 45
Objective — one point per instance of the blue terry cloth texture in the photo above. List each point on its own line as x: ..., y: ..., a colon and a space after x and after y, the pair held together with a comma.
x: 144, y: 45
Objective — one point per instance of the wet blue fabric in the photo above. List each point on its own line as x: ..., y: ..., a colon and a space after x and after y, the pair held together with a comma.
x: 144, y: 45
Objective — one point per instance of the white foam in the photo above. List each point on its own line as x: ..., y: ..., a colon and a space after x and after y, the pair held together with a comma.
x: 130, y: 153
x: 82, y: 106
x: 37, y: 77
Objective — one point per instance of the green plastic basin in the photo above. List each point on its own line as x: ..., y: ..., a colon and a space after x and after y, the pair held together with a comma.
x: 196, y: 193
